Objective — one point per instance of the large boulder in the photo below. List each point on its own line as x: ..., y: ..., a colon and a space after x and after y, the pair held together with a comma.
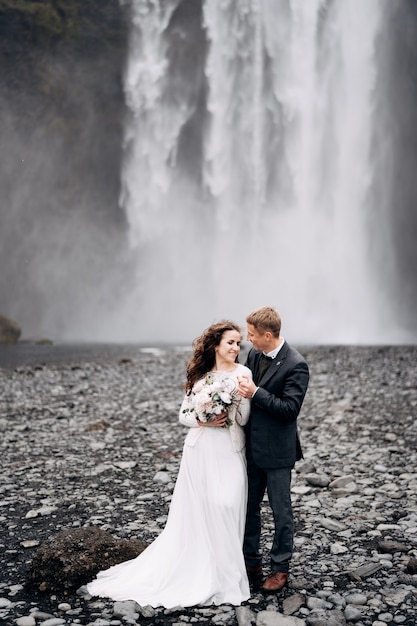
x: 73, y: 558
x: 9, y: 330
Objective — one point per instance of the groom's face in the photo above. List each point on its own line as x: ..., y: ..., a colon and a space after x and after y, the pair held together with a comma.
x: 259, y: 339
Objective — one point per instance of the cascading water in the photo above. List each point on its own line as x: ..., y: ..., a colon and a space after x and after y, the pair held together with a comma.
x: 273, y: 207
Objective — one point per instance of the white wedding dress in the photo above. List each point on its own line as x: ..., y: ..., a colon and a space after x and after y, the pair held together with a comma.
x: 198, y: 558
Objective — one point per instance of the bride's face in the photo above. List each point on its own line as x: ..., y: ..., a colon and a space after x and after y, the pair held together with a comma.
x: 229, y: 346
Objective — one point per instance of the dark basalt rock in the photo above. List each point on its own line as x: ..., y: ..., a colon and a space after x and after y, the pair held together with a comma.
x: 73, y: 558
x: 411, y: 566
x: 392, y: 546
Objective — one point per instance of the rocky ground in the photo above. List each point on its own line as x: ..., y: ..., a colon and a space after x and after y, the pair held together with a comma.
x: 96, y: 443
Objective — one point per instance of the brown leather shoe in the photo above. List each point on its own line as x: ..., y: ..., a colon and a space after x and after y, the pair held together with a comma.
x: 254, y: 573
x: 275, y: 582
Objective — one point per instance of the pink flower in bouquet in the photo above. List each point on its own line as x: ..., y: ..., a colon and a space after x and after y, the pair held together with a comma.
x: 212, y: 396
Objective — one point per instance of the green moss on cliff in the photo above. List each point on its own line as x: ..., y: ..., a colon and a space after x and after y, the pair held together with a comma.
x: 9, y: 330
x: 49, y: 23
x: 31, y: 20
x: 62, y: 65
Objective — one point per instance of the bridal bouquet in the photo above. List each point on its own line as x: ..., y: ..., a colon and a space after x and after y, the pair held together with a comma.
x: 212, y: 396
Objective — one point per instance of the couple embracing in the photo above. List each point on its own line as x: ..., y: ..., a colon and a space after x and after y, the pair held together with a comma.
x: 242, y: 441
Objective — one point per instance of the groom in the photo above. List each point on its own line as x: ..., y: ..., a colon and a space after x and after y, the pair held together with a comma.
x: 280, y: 380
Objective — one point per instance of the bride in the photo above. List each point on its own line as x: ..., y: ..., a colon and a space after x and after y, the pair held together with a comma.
x: 198, y: 559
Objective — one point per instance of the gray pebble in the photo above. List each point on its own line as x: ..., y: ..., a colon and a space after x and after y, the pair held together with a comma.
x: 26, y: 620
x: 352, y: 614
x: 356, y: 598
x: 385, y: 617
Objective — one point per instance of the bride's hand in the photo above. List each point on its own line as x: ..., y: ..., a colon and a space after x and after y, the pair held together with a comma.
x: 246, y: 386
x: 217, y: 422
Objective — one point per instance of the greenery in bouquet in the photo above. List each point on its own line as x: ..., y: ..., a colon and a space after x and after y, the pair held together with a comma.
x: 212, y: 396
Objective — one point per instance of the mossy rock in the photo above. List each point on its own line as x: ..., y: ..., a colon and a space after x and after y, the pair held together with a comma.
x: 74, y: 557
x: 10, y: 331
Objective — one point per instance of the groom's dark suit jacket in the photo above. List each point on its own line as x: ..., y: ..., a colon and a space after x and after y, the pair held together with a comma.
x: 271, y: 434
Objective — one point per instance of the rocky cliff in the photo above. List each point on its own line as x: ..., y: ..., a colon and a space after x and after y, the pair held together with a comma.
x: 61, y: 120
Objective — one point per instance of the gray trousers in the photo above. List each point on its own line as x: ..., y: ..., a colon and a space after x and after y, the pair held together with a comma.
x: 277, y: 482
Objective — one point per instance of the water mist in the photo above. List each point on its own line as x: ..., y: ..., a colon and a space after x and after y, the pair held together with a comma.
x: 277, y: 212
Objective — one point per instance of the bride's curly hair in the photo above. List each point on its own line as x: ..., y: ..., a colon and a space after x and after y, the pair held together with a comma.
x: 204, y: 356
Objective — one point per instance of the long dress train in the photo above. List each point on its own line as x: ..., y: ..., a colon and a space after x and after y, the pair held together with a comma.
x: 198, y: 558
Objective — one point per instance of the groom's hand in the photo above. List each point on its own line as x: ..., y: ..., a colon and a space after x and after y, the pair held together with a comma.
x: 246, y: 386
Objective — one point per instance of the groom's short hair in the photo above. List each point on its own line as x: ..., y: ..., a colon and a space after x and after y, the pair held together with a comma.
x: 264, y: 319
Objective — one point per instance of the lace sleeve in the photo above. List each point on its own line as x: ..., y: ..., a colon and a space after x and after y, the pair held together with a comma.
x: 187, y: 416
x: 243, y: 409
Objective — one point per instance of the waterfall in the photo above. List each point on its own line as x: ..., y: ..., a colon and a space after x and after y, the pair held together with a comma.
x: 248, y: 166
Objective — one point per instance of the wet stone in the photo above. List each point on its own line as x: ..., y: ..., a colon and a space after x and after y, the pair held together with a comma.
x: 318, y: 480
x: 352, y: 614
x: 356, y: 598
